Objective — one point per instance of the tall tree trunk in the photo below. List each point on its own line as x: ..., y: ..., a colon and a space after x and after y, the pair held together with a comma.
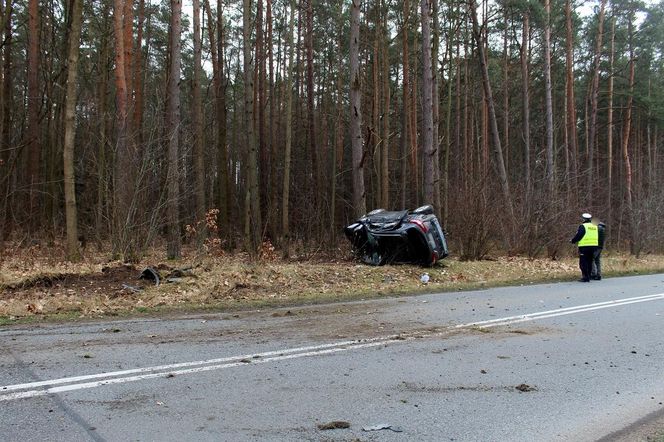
x: 506, y: 92
x: 285, y: 196
x: 7, y: 154
x: 33, y: 107
x: 572, y: 147
x: 103, y: 220
x: 309, y: 44
x: 338, y: 152
x: 430, y: 162
x: 414, y: 141
x: 483, y: 129
x: 197, y: 117
x: 73, y: 252
x: 609, y: 124
x: 460, y: 113
x: 4, y: 18
x: 550, y: 165
x: 650, y: 159
x: 385, y: 144
x: 124, y: 245
x: 525, y: 100
x: 253, y: 222
x: 271, y: 141
x: 217, y: 56
x: 357, y: 141
x: 453, y: 30
x: 464, y: 133
x: 629, y: 209
x: 227, y: 192
x: 128, y: 36
x: 435, y: 51
x: 51, y: 142
x: 173, y: 130
x: 656, y: 155
x: 484, y: 160
x: 594, y: 91
x: 259, y: 108
x: 339, y: 125
x: 495, y: 135
x: 375, y: 133
x: 4, y: 151
x: 405, y: 104
x: 138, y: 73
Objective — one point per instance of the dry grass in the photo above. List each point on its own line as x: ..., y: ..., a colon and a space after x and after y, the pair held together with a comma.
x: 36, y: 283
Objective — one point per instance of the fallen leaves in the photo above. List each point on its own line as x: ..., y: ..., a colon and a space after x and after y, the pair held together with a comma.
x: 35, y: 308
x: 233, y: 280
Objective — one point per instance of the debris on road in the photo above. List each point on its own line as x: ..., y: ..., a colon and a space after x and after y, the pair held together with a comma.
x: 383, y: 427
x: 525, y: 388
x: 334, y: 425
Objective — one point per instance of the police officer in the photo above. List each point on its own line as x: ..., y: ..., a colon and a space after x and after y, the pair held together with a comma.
x: 587, y: 239
x: 597, y: 259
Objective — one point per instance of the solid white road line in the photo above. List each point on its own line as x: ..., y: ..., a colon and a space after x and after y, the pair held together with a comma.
x: 72, y: 387
x: 145, y: 373
x: 561, y: 311
x: 168, y: 367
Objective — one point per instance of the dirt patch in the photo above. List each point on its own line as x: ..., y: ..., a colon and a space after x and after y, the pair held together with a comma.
x: 113, y: 281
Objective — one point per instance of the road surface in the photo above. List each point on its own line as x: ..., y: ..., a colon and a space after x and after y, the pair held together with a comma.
x: 560, y: 362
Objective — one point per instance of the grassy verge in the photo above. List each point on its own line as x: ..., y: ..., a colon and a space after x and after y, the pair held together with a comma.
x: 38, y: 288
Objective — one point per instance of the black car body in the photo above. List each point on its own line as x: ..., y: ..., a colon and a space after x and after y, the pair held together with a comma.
x: 381, y: 237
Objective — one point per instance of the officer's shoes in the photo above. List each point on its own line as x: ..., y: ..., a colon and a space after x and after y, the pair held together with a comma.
x: 584, y: 280
x: 597, y: 278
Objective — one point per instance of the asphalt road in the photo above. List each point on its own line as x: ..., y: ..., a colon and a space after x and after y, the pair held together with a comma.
x: 560, y: 362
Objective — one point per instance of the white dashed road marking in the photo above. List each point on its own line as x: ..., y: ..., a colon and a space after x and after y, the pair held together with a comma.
x: 53, y: 386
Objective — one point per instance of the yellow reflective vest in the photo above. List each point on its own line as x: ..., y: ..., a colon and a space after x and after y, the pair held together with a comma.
x: 591, y: 238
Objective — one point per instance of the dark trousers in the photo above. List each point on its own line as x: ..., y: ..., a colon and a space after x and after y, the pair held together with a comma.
x: 597, y: 264
x: 586, y: 256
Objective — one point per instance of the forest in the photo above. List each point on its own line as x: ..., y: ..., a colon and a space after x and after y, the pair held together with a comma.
x: 240, y: 125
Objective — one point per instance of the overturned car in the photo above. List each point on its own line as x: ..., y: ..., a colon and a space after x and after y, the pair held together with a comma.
x: 408, y: 236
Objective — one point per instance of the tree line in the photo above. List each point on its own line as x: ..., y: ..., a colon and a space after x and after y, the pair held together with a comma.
x: 128, y: 122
